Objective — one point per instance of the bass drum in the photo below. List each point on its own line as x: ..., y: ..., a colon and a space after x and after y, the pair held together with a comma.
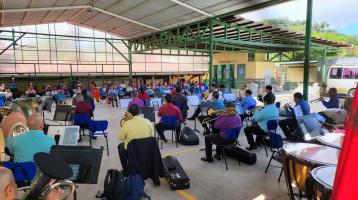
x: 27, y: 105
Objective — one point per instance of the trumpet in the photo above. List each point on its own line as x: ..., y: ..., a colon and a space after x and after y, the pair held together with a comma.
x: 315, y: 100
x: 127, y: 116
x: 288, y: 104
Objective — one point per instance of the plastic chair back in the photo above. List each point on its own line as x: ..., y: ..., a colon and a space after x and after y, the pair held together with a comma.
x: 23, y: 172
x: 276, y: 141
x: 155, y: 105
x: 170, y: 120
x: 81, y: 119
x: 148, y: 113
x: 233, y: 133
x: 251, y: 107
x: 278, y: 104
x: 272, y: 126
x: 98, y: 126
x: 2, y: 101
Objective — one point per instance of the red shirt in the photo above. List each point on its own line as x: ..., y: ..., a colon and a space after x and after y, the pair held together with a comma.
x: 83, y: 108
x: 169, y: 109
x: 143, y: 96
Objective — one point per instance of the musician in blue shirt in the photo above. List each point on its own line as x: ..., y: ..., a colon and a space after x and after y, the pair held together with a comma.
x: 333, y: 99
x: 248, y: 101
x: 267, y: 113
x: 290, y: 124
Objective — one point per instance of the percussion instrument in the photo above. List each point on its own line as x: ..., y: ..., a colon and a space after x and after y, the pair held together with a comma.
x: 300, y: 158
x: 332, y: 140
x: 323, y: 178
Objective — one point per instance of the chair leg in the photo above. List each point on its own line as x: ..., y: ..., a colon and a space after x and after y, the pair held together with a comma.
x: 107, y: 145
x: 172, y: 136
x: 279, y: 178
x: 268, y: 165
x: 264, y: 143
x: 223, y: 154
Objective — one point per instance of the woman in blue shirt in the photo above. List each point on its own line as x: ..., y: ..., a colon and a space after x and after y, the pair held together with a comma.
x: 267, y: 113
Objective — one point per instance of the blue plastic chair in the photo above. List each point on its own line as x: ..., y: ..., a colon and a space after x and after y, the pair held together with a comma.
x: 171, y: 123
x: 83, y: 121
x: 278, y: 104
x: 271, y: 129
x: 24, y: 172
x: 277, y: 143
x: 232, y: 134
x: 98, y: 128
x: 2, y: 101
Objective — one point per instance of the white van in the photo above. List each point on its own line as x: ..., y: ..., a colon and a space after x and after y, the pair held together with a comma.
x: 344, y: 78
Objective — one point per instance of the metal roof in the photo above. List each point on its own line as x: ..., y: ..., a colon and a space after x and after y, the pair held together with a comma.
x: 124, y: 18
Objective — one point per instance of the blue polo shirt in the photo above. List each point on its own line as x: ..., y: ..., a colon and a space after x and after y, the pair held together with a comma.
x: 25, y: 146
x: 247, y: 102
x: 269, y: 112
x: 305, y: 107
x: 216, y: 104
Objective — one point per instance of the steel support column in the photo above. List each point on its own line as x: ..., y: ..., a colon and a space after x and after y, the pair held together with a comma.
x: 306, y: 70
x: 324, y: 67
x: 130, y: 71
x: 211, y: 52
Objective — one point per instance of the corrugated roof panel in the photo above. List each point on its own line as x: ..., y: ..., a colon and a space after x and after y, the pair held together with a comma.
x: 125, y: 5
x: 13, y: 4
x: 52, y: 15
x: 148, y: 9
x: 43, y: 3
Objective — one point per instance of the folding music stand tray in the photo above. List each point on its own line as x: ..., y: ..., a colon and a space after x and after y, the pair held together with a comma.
x: 64, y: 113
x: 85, y: 162
x: 194, y: 101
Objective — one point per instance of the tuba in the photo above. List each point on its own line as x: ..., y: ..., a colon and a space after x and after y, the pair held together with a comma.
x: 127, y: 116
x: 18, y: 128
x: 50, y: 177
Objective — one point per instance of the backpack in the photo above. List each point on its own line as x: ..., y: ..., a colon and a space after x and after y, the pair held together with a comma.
x: 188, y: 137
x: 134, y: 188
x: 119, y: 187
x: 114, y: 185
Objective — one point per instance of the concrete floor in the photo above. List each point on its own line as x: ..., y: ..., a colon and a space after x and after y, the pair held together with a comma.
x: 208, y: 181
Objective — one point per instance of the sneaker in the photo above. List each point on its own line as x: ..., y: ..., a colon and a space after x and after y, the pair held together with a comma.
x: 251, y: 147
x: 206, y: 159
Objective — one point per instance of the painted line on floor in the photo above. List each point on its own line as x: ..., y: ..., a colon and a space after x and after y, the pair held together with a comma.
x: 182, y: 193
x: 181, y: 152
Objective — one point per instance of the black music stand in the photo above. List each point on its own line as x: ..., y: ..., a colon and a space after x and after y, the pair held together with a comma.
x: 64, y: 113
x: 85, y: 162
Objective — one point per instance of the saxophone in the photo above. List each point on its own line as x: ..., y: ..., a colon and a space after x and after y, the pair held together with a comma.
x: 127, y: 116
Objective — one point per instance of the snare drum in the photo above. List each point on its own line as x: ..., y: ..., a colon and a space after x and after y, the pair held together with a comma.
x: 323, y: 178
x: 299, y: 160
x: 332, y: 140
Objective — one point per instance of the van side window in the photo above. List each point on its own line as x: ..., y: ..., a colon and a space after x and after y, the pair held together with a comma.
x: 350, y: 73
x: 336, y: 73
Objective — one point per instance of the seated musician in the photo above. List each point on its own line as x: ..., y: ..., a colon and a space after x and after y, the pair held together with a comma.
x: 8, y: 187
x: 268, y: 112
x: 290, y: 124
x: 26, y: 145
x: 226, y: 121
x: 83, y: 107
x: 209, y: 99
x: 168, y: 109
x: 181, y: 101
x: 247, y: 102
x: 87, y: 98
x: 333, y: 99
x: 135, y: 128
x: 31, y: 92
x: 339, y: 116
x: 269, y: 92
x: 136, y: 100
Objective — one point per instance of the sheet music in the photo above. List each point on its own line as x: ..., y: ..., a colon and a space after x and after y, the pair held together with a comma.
x: 229, y: 97
x: 125, y: 102
x: 193, y: 100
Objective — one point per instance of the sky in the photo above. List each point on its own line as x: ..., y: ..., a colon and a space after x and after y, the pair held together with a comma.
x: 342, y: 15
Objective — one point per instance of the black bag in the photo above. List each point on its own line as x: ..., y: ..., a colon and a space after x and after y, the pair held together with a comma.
x: 175, y: 174
x: 114, y: 185
x: 188, y: 137
x: 241, y: 155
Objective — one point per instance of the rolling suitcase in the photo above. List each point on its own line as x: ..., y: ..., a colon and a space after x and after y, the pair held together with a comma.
x: 241, y: 155
x: 175, y: 174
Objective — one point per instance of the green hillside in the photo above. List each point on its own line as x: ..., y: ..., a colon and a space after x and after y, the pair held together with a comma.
x: 321, y: 30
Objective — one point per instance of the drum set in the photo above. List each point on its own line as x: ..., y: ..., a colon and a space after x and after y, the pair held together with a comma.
x: 311, y: 167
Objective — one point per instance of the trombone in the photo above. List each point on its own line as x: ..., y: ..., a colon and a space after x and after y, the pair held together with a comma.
x: 218, y: 113
x: 316, y: 100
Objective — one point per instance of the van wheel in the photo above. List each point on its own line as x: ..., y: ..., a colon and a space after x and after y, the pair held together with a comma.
x: 351, y: 92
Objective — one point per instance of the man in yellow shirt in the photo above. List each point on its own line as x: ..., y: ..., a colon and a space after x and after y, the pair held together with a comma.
x: 136, y: 128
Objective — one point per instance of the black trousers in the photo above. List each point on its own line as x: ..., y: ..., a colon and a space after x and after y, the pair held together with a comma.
x: 114, y: 100
x: 217, y: 140
x: 123, y: 156
x: 161, y: 128
x: 197, y: 112
x: 288, y: 126
x: 250, y: 131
